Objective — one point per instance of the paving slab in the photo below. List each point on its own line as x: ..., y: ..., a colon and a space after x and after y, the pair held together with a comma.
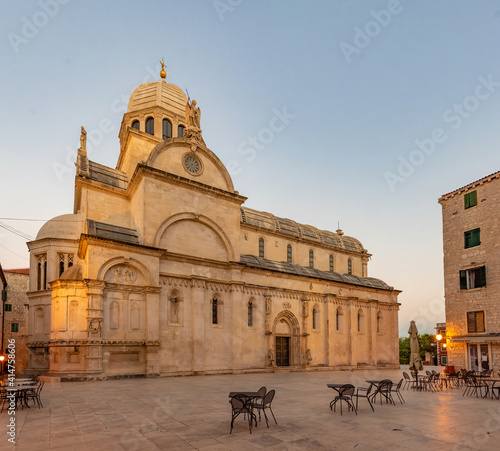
x: 187, y: 413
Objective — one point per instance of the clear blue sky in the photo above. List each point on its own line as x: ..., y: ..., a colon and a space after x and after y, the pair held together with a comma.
x: 364, y: 80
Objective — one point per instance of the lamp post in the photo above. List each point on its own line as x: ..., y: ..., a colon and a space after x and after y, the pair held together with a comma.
x: 441, y: 347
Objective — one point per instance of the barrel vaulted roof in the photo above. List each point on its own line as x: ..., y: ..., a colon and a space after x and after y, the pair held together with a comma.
x: 287, y: 227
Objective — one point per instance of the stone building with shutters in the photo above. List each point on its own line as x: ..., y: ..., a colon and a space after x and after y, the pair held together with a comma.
x: 160, y: 270
x: 14, y: 285
x: 471, y: 244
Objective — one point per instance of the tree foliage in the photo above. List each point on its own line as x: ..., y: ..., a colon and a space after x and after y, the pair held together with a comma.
x: 427, y: 343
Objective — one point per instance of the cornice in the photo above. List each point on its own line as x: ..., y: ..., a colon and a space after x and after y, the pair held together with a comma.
x: 141, y: 170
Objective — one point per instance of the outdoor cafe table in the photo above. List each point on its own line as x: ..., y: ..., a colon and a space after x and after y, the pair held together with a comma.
x: 20, y: 391
x: 249, y: 394
x: 335, y: 387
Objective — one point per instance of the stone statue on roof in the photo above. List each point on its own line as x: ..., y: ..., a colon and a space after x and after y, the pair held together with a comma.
x: 83, y: 140
x: 193, y: 117
x: 193, y: 114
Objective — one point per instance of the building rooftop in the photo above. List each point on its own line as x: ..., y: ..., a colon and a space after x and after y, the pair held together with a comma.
x: 253, y: 261
x: 488, y: 178
x: 25, y: 271
x: 284, y: 226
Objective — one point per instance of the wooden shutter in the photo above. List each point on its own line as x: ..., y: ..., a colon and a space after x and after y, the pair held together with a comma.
x: 480, y: 322
x: 475, y: 238
x: 466, y: 240
x: 482, y: 271
x: 473, y: 199
x: 471, y: 322
x: 463, y: 280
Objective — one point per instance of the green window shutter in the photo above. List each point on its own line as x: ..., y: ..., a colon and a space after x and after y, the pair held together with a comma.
x: 467, y: 240
x: 482, y: 271
x: 471, y: 322
x: 470, y: 199
x: 475, y: 237
x: 463, y: 280
x: 473, y: 198
x: 4, y: 295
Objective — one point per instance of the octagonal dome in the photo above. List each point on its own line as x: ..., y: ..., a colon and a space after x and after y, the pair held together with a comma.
x: 158, y: 93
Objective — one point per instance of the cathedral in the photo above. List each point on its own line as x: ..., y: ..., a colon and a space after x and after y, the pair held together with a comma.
x: 161, y: 271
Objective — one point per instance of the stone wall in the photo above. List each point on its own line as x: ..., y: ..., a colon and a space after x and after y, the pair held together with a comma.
x: 456, y: 221
x: 17, y: 286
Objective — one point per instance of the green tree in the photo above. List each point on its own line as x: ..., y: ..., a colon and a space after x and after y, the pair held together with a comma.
x: 404, y: 350
x: 426, y: 342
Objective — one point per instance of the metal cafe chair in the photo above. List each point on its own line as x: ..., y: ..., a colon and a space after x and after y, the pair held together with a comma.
x: 344, y: 394
x: 242, y: 404
x: 262, y: 392
x: 266, y: 404
x: 396, y: 389
x: 363, y: 392
x: 35, y: 394
x: 409, y: 382
x: 384, y: 390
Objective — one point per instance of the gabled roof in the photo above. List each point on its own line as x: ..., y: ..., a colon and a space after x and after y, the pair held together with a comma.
x: 25, y: 271
x: 472, y: 185
x: 253, y: 261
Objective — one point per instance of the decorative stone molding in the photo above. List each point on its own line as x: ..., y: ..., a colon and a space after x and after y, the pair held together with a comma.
x: 125, y: 274
x: 95, y: 325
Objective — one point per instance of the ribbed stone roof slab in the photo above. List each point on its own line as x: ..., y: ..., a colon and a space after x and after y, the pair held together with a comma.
x: 290, y: 228
x: 253, y: 261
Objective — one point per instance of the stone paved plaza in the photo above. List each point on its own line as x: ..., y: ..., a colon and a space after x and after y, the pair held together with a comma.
x: 187, y: 413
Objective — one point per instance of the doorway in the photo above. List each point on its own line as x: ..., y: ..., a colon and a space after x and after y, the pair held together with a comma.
x: 282, y: 351
x: 479, y: 359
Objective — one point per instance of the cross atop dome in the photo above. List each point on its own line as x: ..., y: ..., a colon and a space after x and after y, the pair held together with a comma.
x: 163, y: 74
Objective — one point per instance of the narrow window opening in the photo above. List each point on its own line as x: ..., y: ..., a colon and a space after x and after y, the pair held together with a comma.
x: 214, y: 312
x: 150, y: 126
x: 250, y: 313
x: 167, y: 129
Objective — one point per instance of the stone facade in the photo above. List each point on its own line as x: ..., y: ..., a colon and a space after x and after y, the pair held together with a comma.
x: 161, y: 271
x: 16, y: 314
x: 471, y: 242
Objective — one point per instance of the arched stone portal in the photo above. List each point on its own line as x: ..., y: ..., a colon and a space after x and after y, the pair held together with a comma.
x: 286, y: 343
